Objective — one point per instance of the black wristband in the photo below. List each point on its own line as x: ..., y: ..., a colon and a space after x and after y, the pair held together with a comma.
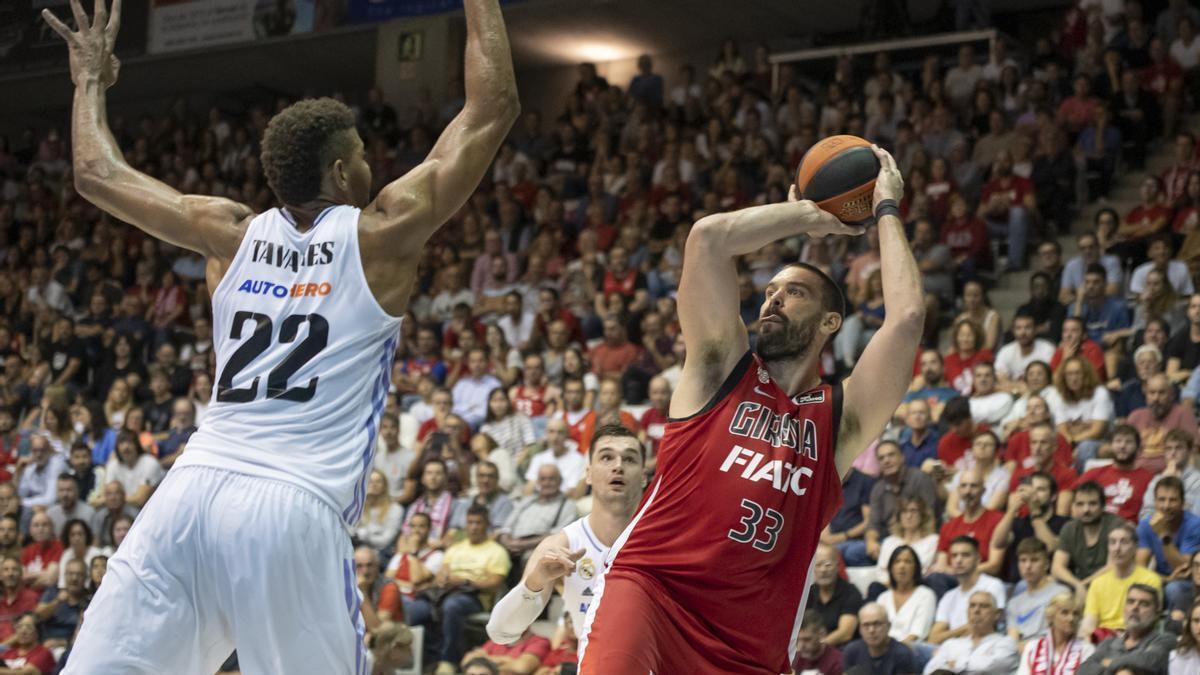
x: 886, y: 207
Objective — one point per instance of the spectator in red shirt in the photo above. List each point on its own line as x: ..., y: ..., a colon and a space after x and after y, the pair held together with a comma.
x: 960, y: 434
x: 1043, y: 457
x: 1008, y: 206
x: 1143, y: 222
x: 975, y: 522
x: 1124, y: 484
x: 654, y: 421
x: 1174, y: 178
x: 969, y: 350
x: 549, y: 310
x: 1161, y: 414
x: 522, y: 657
x: 616, y: 353
x: 1079, y: 109
x: 619, y: 277
x: 15, y: 597
x: 608, y: 406
x: 26, y: 652
x: 812, y: 654
x: 967, y: 238
x: 41, y: 556
x: 1164, y: 79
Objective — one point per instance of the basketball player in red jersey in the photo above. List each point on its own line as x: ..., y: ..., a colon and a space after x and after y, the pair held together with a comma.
x: 711, y: 575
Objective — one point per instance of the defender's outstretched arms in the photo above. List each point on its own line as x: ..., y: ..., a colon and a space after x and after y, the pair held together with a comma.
x: 713, y: 331
x: 413, y: 207
x: 211, y: 226
x: 884, y: 371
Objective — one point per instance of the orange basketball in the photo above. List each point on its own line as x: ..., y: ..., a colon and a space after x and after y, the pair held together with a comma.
x: 838, y: 173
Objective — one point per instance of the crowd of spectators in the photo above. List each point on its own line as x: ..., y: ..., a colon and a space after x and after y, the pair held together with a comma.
x: 1034, y: 505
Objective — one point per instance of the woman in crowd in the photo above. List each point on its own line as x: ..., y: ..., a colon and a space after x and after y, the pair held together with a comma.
x: 25, y: 653
x: 968, y: 350
x: 78, y: 544
x: 118, y: 402
x: 909, y: 605
x: 504, y: 361
x: 136, y: 470
x: 124, y: 361
x: 510, y: 429
x: 1059, y: 651
x: 1038, y: 380
x: 914, y: 527
x: 381, y: 516
x: 55, y: 424
x: 978, y: 309
x: 574, y: 365
x: 1086, y: 407
x: 1185, y: 659
x: 96, y: 572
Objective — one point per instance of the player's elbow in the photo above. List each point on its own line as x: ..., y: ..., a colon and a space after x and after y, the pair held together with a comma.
x: 707, y: 234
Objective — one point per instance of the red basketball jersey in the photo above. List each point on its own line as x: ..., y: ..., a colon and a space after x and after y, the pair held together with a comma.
x: 730, y: 525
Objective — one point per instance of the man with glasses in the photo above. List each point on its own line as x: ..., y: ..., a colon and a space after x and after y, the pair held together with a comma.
x: 487, y: 494
x: 877, y: 652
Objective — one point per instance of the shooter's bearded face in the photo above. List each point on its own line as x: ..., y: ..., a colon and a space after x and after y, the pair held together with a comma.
x: 781, y: 337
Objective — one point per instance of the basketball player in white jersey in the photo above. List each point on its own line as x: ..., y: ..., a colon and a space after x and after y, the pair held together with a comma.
x: 244, y: 545
x: 617, y: 473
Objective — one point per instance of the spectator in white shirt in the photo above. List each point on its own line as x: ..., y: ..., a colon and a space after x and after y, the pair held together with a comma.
x: 382, y: 516
x: 1159, y: 252
x: 1089, y: 254
x: 1186, y: 48
x: 37, y: 473
x: 981, y: 649
x: 910, y: 607
x: 988, y: 405
x: 950, y: 621
x: 561, y: 452
x: 136, y: 470
x: 1013, y: 358
x: 516, y: 324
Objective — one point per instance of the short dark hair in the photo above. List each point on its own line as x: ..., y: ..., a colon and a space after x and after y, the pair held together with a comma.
x: 1048, y: 477
x: 812, y: 621
x: 956, y: 410
x: 966, y: 539
x: 1128, y: 430
x: 479, y: 510
x: 1096, y: 268
x: 832, y: 298
x: 618, y: 431
x: 1092, y: 487
x: 300, y: 143
x: 1149, y: 590
x: 1170, y: 483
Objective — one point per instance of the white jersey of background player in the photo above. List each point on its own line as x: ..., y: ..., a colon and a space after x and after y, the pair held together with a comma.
x: 244, y: 544
x: 616, y: 472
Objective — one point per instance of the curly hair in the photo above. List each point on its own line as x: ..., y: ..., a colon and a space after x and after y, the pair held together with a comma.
x: 300, y: 142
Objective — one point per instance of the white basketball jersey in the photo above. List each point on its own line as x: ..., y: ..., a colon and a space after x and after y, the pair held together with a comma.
x: 577, y: 588
x: 304, y: 355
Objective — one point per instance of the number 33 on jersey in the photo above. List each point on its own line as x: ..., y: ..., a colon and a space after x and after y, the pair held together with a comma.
x: 305, y: 358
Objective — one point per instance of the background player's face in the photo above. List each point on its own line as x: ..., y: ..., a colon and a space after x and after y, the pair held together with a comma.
x: 616, y: 470
x: 792, y: 315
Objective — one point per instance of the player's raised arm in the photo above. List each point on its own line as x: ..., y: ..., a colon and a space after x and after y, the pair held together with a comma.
x: 210, y: 226
x: 883, y: 373
x: 414, y: 206
x: 708, y: 289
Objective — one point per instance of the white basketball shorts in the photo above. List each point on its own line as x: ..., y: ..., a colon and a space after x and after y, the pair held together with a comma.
x: 220, y: 560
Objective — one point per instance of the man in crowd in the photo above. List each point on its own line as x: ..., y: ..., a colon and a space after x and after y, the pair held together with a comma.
x: 16, y: 597
x: 876, y: 652
x: 1124, y: 484
x: 181, y: 427
x: 471, y: 391
x: 435, y: 501
x: 1089, y: 254
x: 933, y: 389
x: 1106, y: 593
x: 1160, y: 416
x: 1030, y: 515
x: 391, y: 456
x: 1168, y: 538
x: 1026, y: 610
x: 1101, y: 313
x: 1178, y: 452
x: 813, y: 653
x: 981, y: 648
x: 581, y: 420
x: 37, y: 473
x: 560, y: 451
x: 487, y: 494
x: 836, y: 599
x: 471, y: 572
x: 1025, y: 348
x: 68, y: 505
x: 976, y: 523
x: 1076, y: 341
x: 896, y: 480
x: 61, y: 608
x: 114, y: 507
x: 616, y: 353
x: 1044, y: 458
x: 919, y: 438
x: 1082, y: 552
x: 1140, y: 645
x: 535, y: 517
x: 951, y: 618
